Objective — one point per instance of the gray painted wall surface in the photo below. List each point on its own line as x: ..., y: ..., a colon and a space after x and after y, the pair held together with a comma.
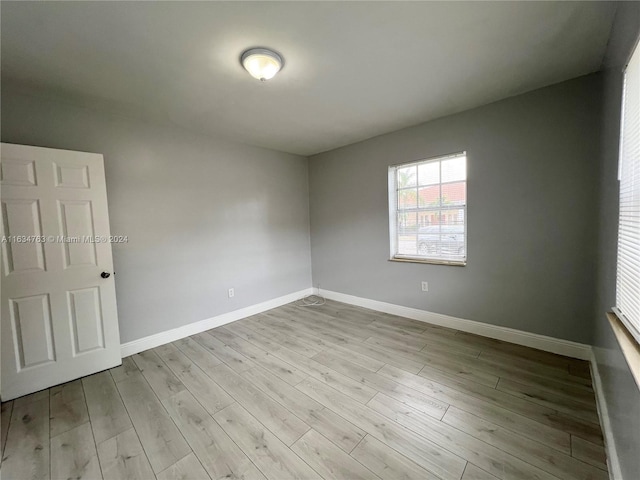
x: 202, y: 215
x: 620, y: 390
x: 532, y: 179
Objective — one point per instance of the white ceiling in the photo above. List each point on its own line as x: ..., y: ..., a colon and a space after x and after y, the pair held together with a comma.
x: 353, y: 69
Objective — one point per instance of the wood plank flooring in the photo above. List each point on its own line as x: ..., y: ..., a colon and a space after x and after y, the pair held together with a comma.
x: 331, y: 392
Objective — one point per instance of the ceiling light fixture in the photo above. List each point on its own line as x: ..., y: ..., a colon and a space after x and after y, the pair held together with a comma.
x: 261, y: 63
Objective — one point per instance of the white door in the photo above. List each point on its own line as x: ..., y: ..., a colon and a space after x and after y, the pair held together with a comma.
x: 59, y: 318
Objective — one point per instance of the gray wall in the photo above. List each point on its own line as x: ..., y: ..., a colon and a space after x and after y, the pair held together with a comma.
x: 620, y: 390
x: 532, y: 178
x: 202, y: 215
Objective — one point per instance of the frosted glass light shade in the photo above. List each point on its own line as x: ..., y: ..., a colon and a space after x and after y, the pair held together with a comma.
x: 261, y: 63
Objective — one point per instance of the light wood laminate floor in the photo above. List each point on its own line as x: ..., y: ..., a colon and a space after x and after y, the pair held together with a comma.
x: 334, y: 392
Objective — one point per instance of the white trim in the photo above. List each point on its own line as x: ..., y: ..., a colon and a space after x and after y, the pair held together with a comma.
x: 613, y: 463
x: 519, y: 337
x: 162, y: 338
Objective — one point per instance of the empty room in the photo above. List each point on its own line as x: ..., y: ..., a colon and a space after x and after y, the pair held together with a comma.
x: 332, y: 240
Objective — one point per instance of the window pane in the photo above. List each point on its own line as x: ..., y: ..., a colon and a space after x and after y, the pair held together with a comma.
x: 407, y: 223
x: 454, y: 169
x: 407, y: 198
x: 407, y: 177
x: 429, y: 235
x: 429, y: 196
x: 407, y: 233
x: 454, y: 194
x: 453, y: 219
x: 430, y: 218
x: 452, y: 244
x: 432, y: 226
x: 407, y: 245
x: 429, y: 173
x: 424, y: 219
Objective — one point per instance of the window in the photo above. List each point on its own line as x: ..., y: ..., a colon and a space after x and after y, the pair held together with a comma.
x: 428, y: 210
x: 628, y: 277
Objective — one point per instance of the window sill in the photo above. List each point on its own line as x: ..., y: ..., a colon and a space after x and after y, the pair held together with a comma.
x: 453, y: 263
x: 628, y: 344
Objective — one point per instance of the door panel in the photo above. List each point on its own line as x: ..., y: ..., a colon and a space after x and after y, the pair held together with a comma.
x: 17, y: 171
x: 31, y: 319
x: 86, y: 316
x: 76, y: 221
x: 59, y: 316
x: 22, y: 218
x: 72, y: 176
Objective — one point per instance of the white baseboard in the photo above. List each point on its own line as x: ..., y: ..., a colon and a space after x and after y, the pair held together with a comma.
x: 613, y: 464
x: 533, y: 340
x: 162, y: 338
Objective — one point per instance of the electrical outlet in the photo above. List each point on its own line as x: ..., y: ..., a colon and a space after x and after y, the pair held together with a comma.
x: 232, y: 293
x: 425, y: 286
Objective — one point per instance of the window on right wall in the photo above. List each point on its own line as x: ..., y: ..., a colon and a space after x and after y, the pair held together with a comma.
x: 627, y: 307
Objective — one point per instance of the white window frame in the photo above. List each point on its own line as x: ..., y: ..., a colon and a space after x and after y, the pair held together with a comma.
x: 627, y: 307
x: 393, y: 215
